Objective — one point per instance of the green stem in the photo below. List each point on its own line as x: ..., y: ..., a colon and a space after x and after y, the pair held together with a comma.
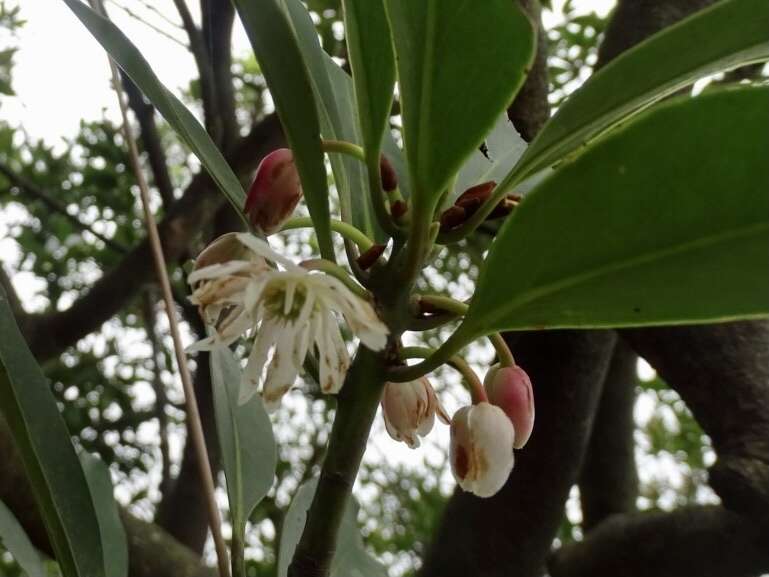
x: 343, y: 147
x: 418, y: 244
x: 381, y: 212
x: 237, y: 553
x: 337, y: 272
x: 503, y: 351
x: 474, y: 385
x: 441, y: 356
x: 356, y: 408
x: 348, y: 231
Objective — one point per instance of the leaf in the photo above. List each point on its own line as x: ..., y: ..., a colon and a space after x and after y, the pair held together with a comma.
x: 727, y: 35
x: 16, y: 542
x: 113, y: 536
x: 663, y: 222
x: 373, y: 68
x: 459, y: 64
x: 350, y: 558
x: 128, y: 57
x: 281, y: 62
x: 44, y: 445
x: 245, y: 437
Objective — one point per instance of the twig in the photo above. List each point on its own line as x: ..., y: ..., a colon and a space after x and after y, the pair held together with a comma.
x: 193, y: 415
x: 149, y: 24
x: 31, y: 189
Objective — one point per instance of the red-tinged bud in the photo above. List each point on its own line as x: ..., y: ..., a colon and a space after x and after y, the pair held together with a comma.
x: 368, y: 258
x: 505, y: 207
x: 481, y: 449
x: 275, y: 192
x: 471, y: 199
x: 409, y: 410
x: 388, y: 175
x: 452, y: 217
x: 509, y: 388
x: 398, y: 209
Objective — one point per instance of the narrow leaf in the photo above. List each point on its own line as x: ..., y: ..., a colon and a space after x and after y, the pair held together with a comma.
x: 727, y: 35
x: 665, y: 221
x: 245, y: 438
x: 128, y: 57
x: 459, y: 65
x: 285, y: 71
x: 16, y: 542
x: 373, y: 67
x: 113, y: 536
x: 44, y: 445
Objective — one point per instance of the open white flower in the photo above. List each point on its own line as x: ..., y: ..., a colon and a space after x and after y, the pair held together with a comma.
x: 289, y: 311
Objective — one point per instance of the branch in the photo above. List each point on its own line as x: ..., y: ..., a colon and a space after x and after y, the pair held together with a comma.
x: 511, y: 533
x: 150, y: 140
x: 152, y: 552
x: 29, y: 188
x: 722, y: 374
x: 702, y: 541
x: 608, y: 482
x: 50, y: 334
x: 531, y: 109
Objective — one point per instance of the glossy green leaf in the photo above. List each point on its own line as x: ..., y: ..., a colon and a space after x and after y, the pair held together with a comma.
x: 350, y: 559
x: 113, y: 536
x: 128, y: 57
x: 15, y: 541
x: 49, y: 458
x: 373, y: 67
x: 459, y: 65
x: 665, y: 221
x: 283, y: 66
x: 245, y: 438
x: 724, y: 36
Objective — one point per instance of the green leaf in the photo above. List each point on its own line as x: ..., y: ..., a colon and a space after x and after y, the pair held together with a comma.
x: 459, y: 65
x: 128, y: 57
x: 280, y: 59
x: 727, y: 35
x: 113, y: 536
x: 53, y: 469
x: 373, y: 68
x: 245, y: 438
x: 16, y: 542
x: 665, y: 221
x: 350, y: 559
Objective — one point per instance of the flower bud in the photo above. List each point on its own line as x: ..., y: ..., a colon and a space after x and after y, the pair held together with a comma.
x: 472, y: 199
x: 388, y: 175
x: 409, y: 410
x: 481, y: 450
x: 275, y: 192
x: 368, y: 258
x: 509, y: 388
x: 452, y: 217
x: 222, y: 249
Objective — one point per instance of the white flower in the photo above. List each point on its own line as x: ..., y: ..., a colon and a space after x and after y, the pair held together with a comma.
x: 289, y: 311
x: 409, y: 410
x: 481, y: 449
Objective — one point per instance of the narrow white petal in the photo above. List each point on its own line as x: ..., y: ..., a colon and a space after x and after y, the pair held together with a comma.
x: 261, y: 248
x: 288, y: 296
x: 252, y: 376
x: 218, y: 270
x: 282, y: 371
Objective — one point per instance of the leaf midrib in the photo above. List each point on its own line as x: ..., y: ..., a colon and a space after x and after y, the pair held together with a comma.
x: 615, y: 266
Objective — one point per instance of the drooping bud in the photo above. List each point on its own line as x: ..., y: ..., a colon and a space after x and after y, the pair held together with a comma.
x: 481, y: 449
x: 388, y: 175
x: 368, y: 258
x: 275, y: 192
x: 509, y: 388
x: 409, y: 410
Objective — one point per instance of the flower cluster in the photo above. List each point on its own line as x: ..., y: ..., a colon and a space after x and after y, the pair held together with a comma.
x: 288, y: 311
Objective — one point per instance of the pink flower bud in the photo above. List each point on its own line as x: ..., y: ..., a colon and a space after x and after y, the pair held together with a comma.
x: 409, y: 410
x: 481, y: 450
x: 275, y: 192
x: 509, y: 388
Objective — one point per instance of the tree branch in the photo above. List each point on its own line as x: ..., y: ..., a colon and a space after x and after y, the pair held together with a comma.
x: 608, y: 482
x: 50, y: 334
x: 511, y: 533
x: 701, y: 541
x: 722, y: 374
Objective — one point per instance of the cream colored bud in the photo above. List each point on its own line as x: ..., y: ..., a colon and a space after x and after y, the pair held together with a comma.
x: 409, y: 410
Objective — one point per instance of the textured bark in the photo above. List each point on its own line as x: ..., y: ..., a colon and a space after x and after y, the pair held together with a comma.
x: 511, y: 533
x: 152, y: 552
x: 531, y: 109
x: 722, y: 373
x: 608, y: 483
x: 696, y: 541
